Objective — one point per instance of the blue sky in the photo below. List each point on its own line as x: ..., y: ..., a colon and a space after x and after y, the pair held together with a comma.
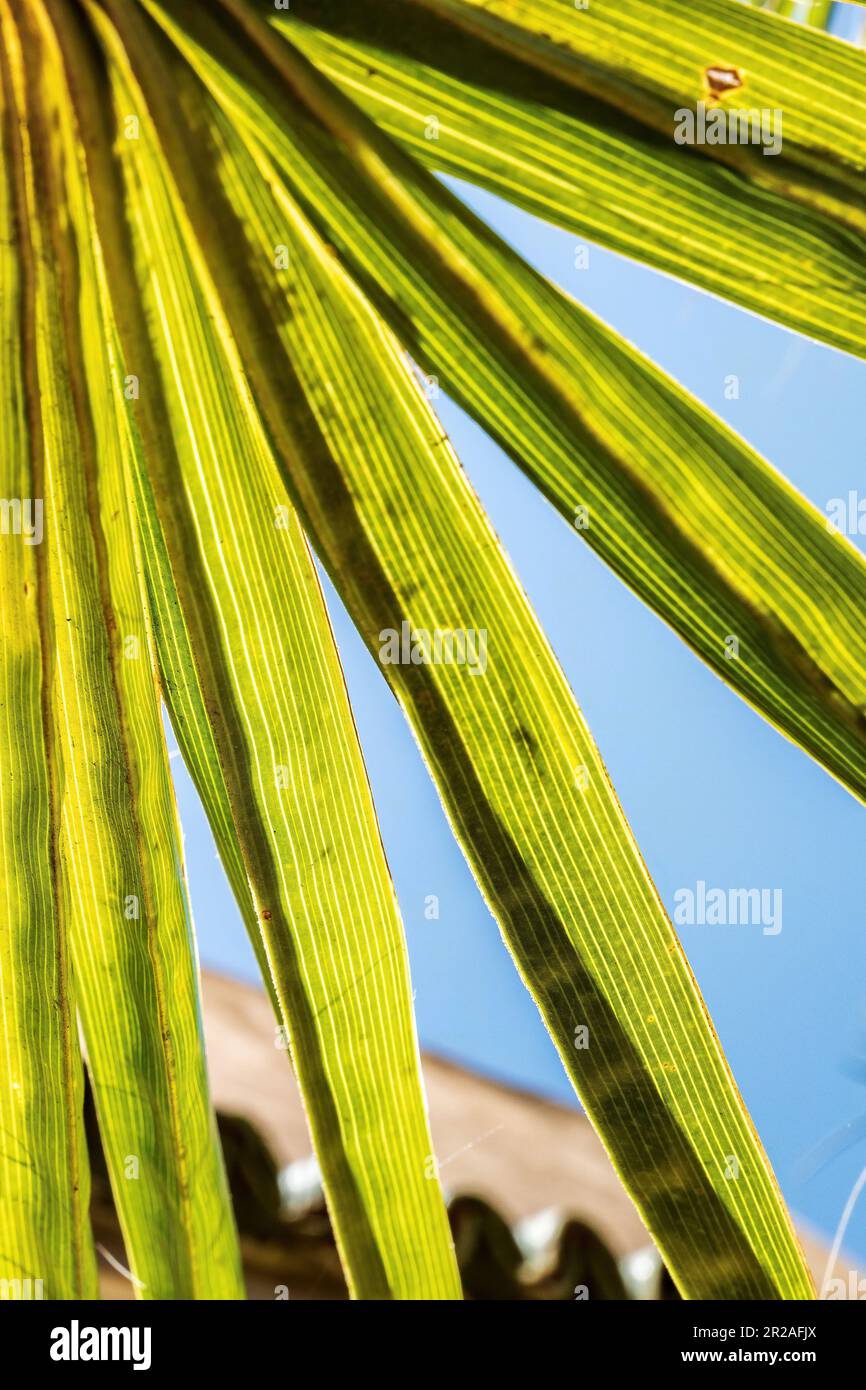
x: 711, y: 791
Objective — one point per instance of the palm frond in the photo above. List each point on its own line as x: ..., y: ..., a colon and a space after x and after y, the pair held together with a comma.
x: 44, y: 1230
x: 462, y: 107
x: 224, y: 265
x: 407, y: 545
x: 721, y: 546
x: 263, y: 654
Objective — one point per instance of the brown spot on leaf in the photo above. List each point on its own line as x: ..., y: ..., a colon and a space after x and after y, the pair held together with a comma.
x: 722, y: 80
x: 266, y: 916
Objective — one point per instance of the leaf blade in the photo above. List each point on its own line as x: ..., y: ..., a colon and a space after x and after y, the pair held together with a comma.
x: 703, y: 529
x: 119, y: 849
x: 273, y: 689
x: 653, y: 58
x: 406, y: 542
x: 44, y: 1172
x: 583, y: 166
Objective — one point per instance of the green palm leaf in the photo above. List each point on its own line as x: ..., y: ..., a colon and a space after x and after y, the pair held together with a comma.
x: 119, y: 853
x: 255, y: 637
x: 463, y: 108
x: 214, y: 267
x: 44, y: 1177
x: 705, y: 531
x: 406, y: 543
x: 650, y: 58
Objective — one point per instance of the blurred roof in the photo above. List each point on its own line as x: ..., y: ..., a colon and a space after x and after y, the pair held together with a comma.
x: 520, y: 1154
